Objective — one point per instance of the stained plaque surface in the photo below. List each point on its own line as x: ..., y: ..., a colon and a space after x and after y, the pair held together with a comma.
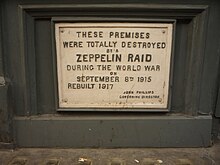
x: 113, y: 65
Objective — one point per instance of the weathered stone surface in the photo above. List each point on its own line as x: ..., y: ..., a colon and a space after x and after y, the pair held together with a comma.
x: 160, y: 156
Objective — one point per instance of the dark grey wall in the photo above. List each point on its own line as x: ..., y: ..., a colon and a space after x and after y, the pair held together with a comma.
x: 26, y: 59
x: 5, y: 113
x: 28, y: 44
x: 43, y: 80
x: 217, y: 107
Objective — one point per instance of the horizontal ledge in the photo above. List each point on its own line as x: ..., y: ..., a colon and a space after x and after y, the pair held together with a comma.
x: 114, y: 10
x: 111, y: 132
x: 113, y: 117
x: 116, y: 6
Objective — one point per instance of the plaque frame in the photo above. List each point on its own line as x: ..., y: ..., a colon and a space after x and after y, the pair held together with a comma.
x: 55, y: 20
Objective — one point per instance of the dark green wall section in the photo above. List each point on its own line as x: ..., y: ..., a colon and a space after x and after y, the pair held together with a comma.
x: 27, y: 72
x: 5, y: 117
x: 111, y: 132
x: 217, y: 112
x: 5, y: 113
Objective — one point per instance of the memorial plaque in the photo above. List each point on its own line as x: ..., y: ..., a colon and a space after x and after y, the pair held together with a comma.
x: 113, y: 65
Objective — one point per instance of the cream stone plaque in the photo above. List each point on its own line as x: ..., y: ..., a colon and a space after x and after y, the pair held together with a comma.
x: 113, y: 65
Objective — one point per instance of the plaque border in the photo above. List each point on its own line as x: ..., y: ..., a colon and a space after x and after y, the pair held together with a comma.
x: 55, y: 20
